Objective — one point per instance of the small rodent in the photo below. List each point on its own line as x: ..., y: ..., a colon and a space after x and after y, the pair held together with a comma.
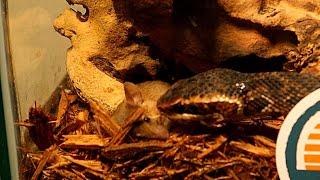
x: 145, y: 95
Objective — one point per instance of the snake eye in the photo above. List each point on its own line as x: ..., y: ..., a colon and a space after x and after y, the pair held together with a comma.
x: 146, y: 119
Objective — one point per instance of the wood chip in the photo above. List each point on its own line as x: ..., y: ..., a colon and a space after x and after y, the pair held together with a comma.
x: 100, y: 175
x: 65, y: 100
x: 83, y: 115
x: 264, y: 140
x: 123, y: 131
x: 209, y: 168
x: 92, y: 141
x: 265, y: 152
x: 71, y: 126
x: 25, y: 124
x: 46, y: 155
x: 232, y: 174
x: 122, y: 151
x: 155, y: 172
x: 274, y: 124
x: 90, y: 164
x: 58, y: 165
x: 218, y: 142
x: 42, y: 131
x: 67, y: 174
x: 103, y: 119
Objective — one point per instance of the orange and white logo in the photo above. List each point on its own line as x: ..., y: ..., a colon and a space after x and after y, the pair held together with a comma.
x: 298, y: 143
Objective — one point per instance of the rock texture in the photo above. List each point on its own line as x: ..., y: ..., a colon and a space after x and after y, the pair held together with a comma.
x: 132, y: 40
x: 101, y: 34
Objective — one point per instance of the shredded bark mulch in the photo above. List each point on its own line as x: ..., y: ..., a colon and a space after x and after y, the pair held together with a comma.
x: 83, y: 142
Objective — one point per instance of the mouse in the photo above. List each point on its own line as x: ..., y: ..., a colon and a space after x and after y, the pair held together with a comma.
x: 151, y: 124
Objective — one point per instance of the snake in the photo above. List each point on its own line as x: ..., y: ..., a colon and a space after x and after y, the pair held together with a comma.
x: 227, y: 93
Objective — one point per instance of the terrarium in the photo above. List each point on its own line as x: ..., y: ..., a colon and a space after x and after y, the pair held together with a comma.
x: 150, y: 89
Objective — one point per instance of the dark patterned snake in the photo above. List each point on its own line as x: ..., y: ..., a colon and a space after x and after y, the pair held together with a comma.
x: 227, y: 93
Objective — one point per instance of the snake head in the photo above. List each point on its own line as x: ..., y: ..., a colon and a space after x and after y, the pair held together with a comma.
x: 214, y: 94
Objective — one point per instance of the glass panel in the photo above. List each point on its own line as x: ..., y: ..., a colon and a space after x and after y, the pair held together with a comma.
x: 8, y: 113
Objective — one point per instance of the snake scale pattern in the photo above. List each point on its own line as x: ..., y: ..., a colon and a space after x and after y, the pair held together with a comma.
x: 230, y: 92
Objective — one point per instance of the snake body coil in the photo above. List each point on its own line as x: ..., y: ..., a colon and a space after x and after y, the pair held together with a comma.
x: 230, y: 92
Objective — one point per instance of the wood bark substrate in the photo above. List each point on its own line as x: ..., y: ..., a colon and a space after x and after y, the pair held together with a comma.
x: 88, y: 144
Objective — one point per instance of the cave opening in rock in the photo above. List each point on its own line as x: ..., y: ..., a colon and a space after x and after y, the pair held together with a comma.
x: 252, y: 64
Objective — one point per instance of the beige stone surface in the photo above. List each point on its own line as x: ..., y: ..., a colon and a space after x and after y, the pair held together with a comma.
x: 198, y: 35
x: 299, y: 17
x: 100, y: 34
